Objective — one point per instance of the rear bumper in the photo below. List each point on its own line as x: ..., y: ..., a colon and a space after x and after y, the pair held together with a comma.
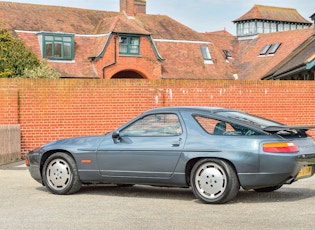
x: 306, y: 159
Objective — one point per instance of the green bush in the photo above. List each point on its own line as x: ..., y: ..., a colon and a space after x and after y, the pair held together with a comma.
x: 17, y: 61
x: 41, y: 71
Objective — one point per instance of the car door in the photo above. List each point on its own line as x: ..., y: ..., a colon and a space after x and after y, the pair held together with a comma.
x: 150, y: 147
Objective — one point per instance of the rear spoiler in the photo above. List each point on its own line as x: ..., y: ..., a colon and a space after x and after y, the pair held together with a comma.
x: 288, y: 128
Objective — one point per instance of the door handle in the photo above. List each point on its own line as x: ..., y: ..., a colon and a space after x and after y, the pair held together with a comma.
x: 176, y: 143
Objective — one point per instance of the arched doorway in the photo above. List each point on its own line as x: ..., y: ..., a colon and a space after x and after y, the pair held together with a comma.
x: 127, y: 74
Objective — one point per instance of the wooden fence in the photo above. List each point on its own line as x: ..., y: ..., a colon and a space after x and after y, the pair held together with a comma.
x: 10, y: 143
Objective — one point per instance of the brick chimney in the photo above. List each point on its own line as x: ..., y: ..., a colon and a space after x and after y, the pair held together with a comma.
x: 132, y: 7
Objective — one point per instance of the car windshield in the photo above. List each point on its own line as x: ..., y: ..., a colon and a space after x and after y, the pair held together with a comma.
x: 253, y: 120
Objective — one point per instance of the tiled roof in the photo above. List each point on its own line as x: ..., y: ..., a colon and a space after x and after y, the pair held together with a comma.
x: 252, y: 66
x: 273, y: 14
x: 164, y: 27
x: 187, y: 62
x: 19, y: 16
x: 295, y: 60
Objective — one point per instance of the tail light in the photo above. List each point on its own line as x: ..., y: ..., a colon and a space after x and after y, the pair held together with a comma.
x: 280, y: 147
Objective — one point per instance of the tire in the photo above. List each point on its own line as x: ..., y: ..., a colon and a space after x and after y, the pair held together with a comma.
x: 214, y: 181
x: 60, y: 174
x: 268, y: 189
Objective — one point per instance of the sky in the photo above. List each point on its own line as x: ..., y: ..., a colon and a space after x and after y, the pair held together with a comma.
x: 200, y: 15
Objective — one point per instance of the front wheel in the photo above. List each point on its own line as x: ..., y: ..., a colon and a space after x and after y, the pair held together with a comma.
x: 214, y: 181
x: 60, y: 174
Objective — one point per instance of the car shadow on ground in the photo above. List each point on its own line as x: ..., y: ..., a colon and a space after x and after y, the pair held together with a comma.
x: 139, y: 191
x: 285, y: 194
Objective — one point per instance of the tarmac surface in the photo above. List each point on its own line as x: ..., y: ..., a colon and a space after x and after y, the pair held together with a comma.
x: 26, y: 204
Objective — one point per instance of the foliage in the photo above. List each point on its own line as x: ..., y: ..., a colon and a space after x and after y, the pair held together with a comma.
x: 41, y: 71
x: 17, y: 61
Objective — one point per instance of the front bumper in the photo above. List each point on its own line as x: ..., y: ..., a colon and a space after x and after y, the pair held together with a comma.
x: 35, y: 173
x: 33, y: 165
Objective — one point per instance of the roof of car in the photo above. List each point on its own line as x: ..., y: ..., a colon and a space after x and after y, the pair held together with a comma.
x: 195, y: 108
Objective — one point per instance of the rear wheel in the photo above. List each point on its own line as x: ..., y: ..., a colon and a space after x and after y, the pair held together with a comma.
x: 268, y: 189
x: 214, y: 181
x: 60, y: 174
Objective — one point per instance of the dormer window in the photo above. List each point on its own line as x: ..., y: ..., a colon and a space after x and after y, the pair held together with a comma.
x: 129, y: 45
x: 58, y: 46
x: 206, y: 55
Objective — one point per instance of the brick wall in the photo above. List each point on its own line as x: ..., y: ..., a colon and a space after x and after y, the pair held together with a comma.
x: 53, y: 109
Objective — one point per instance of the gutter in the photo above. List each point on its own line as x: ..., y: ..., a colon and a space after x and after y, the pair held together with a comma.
x: 156, y: 53
x: 310, y: 64
x: 115, y: 58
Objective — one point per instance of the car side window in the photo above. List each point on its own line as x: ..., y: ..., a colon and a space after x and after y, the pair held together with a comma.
x: 217, y: 127
x: 154, y: 125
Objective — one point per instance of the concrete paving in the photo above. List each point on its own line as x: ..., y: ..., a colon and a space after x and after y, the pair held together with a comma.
x: 25, y: 204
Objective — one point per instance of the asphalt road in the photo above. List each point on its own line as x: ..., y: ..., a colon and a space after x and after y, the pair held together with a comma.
x: 25, y: 204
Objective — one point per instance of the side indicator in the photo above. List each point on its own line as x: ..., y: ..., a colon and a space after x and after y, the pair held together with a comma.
x: 27, y: 161
x: 86, y: 161
x: 280, y: 147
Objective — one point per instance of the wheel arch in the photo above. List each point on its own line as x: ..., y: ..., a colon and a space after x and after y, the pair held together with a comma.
x: 190, y: 164
x: 49, y: 153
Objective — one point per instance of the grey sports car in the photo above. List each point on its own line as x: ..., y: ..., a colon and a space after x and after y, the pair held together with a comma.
x: 212, y: 150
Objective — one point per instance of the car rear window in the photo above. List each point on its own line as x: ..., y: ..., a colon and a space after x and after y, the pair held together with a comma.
x: 217, y: 127
x: 248, y: 118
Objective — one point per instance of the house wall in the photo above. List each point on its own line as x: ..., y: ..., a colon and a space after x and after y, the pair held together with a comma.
x: 146, y: 64
x: 53, y: 109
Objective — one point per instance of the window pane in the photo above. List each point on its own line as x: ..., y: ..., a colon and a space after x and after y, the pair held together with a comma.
x: 273, y: 26
x: 134, y: 41
x: 246, y: 28
x: 58, y: 38
x: 57, y: 49
x: 260, y: 27
x: 293, y: 26
x: 154, y: 125
x: 274, y: 48
x: 239, y: 29
x: 123, y: 48
x: 286, y: 26
x: 134, y: 49
x: 266, y: 27
x: 48, y: 49
x: 49, y: 38
x: 252, y: 28
x: 67, y: 39
x: 123, y: 40
x: 280, y: 27
x: 67, y: 50
x: 205, y: 52
x: 265, y: 49
x: 216, y: 127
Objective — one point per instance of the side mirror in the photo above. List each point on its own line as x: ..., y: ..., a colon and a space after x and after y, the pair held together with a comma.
x: 116, y: 136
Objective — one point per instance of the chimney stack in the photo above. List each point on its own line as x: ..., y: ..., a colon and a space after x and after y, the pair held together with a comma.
x: 132, y: 7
